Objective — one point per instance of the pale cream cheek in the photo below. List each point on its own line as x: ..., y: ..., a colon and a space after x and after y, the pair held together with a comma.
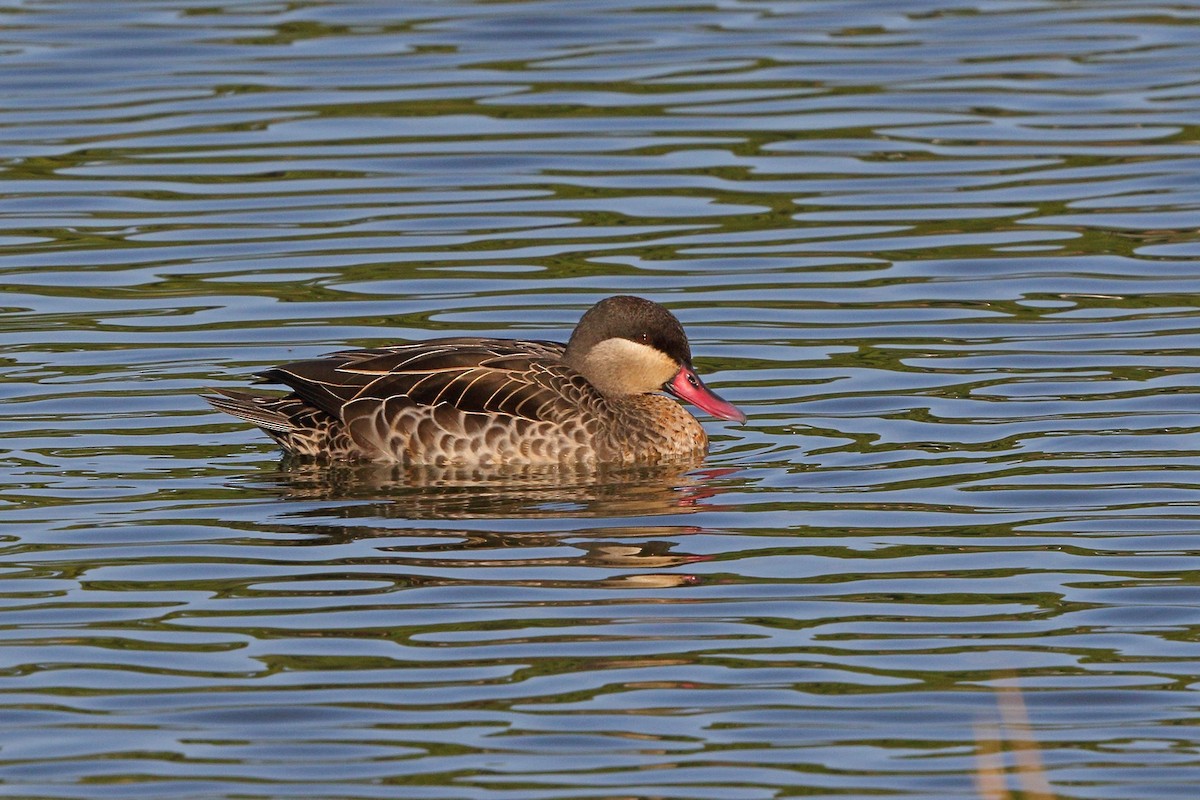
x: 619, y: 366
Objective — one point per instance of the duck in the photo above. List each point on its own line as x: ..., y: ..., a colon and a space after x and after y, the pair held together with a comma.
x: 597, y: 399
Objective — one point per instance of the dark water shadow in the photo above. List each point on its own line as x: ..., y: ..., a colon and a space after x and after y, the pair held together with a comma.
x: 526, y: 492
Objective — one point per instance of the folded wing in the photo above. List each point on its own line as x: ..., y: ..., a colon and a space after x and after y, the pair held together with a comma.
x: 497, y: 378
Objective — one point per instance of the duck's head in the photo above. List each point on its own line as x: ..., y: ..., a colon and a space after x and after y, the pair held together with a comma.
x: 627, y: 345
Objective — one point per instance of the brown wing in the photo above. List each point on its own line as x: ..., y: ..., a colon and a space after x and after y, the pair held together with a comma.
x: 498, y: 377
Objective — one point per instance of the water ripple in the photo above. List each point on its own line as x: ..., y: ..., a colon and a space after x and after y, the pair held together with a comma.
x: 943, y: 256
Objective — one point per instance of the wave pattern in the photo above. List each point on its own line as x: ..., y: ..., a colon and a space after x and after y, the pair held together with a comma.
x: 944, y: 257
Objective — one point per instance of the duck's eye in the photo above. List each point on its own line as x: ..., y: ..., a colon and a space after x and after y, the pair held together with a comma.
x: 643, y: 338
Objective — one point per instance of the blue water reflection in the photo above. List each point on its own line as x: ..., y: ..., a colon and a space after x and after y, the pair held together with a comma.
x: 943, y: 255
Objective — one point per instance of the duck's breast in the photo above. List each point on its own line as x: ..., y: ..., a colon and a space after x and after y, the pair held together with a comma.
x: 650, y: 428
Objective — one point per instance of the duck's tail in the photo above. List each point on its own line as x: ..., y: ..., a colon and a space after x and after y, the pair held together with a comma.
x: 300, y: 429
x: 269, y: 412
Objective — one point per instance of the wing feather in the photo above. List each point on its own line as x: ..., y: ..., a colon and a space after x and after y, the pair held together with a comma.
x: 517, y: 379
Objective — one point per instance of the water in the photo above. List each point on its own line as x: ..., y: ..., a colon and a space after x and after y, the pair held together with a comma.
x: 943, y: 255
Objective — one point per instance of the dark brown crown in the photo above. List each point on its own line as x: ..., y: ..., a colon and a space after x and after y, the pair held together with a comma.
x: 633, y: 318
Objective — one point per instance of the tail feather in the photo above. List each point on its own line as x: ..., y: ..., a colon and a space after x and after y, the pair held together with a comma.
x: 299, y: 428
x: 266, y: 411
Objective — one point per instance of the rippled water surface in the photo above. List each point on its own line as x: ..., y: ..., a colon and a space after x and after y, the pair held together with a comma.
x: 945, y: 257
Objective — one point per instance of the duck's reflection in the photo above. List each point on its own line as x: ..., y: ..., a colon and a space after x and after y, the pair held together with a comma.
x: 475, y: 492
x: 647, y: 555
x: 608, y: 563
x: 348, y: 503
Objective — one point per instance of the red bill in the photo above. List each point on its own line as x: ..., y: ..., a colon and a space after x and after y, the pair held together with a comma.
x: 686, y: 385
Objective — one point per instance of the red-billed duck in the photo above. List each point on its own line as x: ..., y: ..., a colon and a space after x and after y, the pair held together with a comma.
x: 498, y: 401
